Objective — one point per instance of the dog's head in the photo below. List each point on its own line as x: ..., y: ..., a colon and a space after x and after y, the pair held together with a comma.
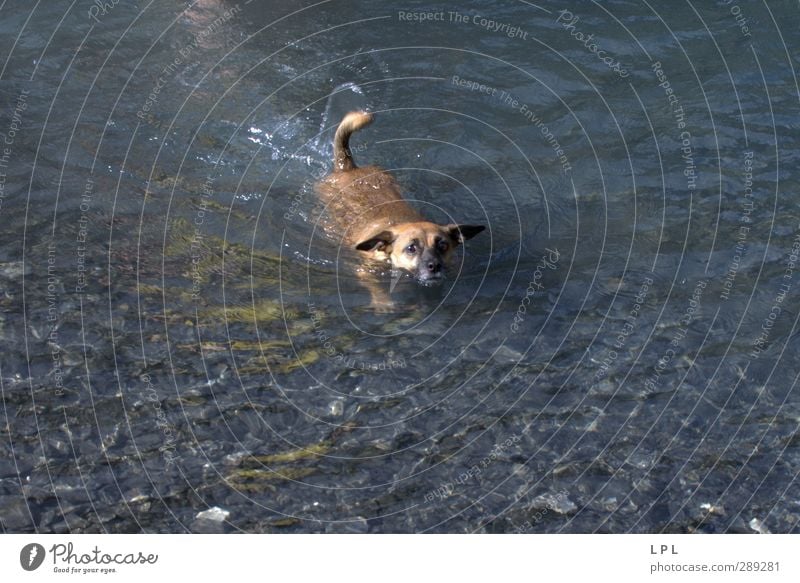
x: 422, y: 249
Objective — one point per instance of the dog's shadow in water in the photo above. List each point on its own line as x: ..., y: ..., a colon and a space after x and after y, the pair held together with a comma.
x: 411, y: 306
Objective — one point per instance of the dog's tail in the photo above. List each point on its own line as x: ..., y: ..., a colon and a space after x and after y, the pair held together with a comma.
x: 355, y: 120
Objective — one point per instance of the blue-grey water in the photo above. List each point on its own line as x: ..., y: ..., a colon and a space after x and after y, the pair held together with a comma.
x: 184, y: 349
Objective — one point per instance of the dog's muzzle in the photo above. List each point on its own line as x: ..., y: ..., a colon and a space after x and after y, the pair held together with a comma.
x: 431, y: 269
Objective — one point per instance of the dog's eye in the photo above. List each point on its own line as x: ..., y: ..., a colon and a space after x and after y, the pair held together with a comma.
x: 411, y: 249
x: 442, y: 246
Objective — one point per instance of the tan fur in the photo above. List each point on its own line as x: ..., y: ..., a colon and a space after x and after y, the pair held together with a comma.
x: 368, y: 204
x: 353, y: 121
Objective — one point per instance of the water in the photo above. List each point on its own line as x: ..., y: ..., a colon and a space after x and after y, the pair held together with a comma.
x: 184, y: 349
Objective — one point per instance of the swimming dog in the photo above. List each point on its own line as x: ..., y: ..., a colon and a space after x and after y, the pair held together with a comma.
x: 368, y: 203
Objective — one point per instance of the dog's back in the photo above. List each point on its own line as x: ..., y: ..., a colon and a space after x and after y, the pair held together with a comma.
x: 357, y: 198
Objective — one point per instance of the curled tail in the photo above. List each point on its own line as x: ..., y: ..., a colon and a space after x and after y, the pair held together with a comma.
x: 355, y: 120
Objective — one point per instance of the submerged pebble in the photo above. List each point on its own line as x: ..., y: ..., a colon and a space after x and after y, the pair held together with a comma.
x: 336, y: 408
x: 559, y: 503
x: 215, y: 514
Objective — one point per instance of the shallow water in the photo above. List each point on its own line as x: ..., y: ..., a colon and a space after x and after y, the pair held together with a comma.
x: 616, y: 353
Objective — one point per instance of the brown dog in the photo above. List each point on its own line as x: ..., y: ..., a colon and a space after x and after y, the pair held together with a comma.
x: 379, y: 223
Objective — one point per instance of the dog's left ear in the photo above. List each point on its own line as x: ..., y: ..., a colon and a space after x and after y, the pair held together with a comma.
x: 377, y: 243
x: 460, y: 233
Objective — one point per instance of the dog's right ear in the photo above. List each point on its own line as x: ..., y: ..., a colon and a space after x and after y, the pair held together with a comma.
x: 460, y: 233
x: 377, y: 243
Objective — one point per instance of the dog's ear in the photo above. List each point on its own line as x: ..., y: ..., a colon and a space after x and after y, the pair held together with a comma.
x: 377, y: 243
x: 460, y: 233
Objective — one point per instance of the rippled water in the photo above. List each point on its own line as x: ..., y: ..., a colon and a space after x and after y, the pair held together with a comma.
x: 184, y: 349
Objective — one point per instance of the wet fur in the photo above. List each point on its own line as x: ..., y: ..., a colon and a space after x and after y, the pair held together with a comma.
x: 368, y: 204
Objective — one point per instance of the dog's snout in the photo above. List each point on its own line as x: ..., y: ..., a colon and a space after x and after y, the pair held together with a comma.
x: 431, y: 263
x: 434, y: 266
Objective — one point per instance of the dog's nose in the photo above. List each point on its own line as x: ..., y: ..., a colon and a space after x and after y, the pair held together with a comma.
x: 434, y: 266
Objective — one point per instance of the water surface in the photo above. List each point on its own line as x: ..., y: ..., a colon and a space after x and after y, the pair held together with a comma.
x: 183, y: 348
